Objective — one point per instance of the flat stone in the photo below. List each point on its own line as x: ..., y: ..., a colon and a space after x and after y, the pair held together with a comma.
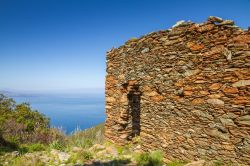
x: 205, y: 28
x: 241, y: 100
x: 151, y: 93
x: 214, y: 96
x: 200, y: 81
x: 227, y: 22
x: 197, y: 101
x: 215, y: 19
x: 188, y: 88
x: 145, y: 50
x: 124, y: 136
x: 191, y: 72
x: 178, y: 23
x: 215, y: 102
x: 244, y: 123
x: 229, y: 116
x: 122, y: 122
x: 163, y: 38
x: 157, y: 98
x: 204, y: 92
x: 241, y: 83
x: 247, y: 53
x: 216, y: 133
x: 215, y: 86
x: 245, y: 118
x: 227, y: 122
x: 187, y: 93
x: 174, y: 33
x: 171, y: 42
x: 230, y: 90
x: 110, y: 99
x: 202, y: 114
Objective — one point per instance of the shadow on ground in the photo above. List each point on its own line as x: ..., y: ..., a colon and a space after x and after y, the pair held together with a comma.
x: 111, y: 163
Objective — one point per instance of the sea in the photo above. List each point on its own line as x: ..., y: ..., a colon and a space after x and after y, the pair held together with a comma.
x: 68, y: 112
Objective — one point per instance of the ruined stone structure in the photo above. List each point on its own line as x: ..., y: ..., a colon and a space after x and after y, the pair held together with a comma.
x: 185, y: 91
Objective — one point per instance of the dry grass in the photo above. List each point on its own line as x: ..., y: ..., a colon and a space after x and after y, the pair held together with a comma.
x: 88, y: 137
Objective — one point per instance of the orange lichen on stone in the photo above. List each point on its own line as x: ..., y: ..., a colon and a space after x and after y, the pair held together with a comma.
x: 187, y: 88
x: 179, y: 83
x: 204, y: 92
x: 188, y: 93
x: 157, y: 98
x: 230, y: 90
x: 205, y: 28
x: 132, y: 82
x: 111, y: 79
x: 214, y: 96
x: 198, y: 101
x: 243, y: 39
x: 194, y: 46
x: 215, y: 86
x: 242, y: 100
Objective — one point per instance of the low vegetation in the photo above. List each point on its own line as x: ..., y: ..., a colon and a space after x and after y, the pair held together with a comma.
x: 87, y: 138
x: 154, y: 158
x: 177, y: 163
x: 20, y: 125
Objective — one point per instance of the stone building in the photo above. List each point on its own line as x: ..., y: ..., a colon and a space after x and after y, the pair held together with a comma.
x: 185, y: 91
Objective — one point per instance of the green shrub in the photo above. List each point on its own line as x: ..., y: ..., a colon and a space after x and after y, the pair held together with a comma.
x: 142, y: 159
x: 20, y: 124
x: 23, y: 149
x: 57, y: 145
x: 86, y: 143
x: 155, y: 158
x: 120, y: 150
x: 36, y: 147
x: 4, y: 150
x: 86, y: 155
x: 28, y: 148
x: 177, y: 163
x: 81, y: 156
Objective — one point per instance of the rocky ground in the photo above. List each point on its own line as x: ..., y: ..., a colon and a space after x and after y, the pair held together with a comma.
x: 97, y: 155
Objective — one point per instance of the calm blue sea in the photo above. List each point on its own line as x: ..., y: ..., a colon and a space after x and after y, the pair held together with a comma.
x: 69, y: 112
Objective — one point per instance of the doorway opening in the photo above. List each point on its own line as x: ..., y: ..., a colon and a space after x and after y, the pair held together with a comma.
x: 134, y: 109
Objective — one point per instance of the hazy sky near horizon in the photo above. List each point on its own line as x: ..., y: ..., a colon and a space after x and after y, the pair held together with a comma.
x: 53, y: 45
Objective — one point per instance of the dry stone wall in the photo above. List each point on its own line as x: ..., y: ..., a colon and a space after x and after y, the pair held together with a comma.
x: 185, y: 91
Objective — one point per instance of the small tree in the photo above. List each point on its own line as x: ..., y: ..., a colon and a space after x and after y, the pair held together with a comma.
x: 20, y: 124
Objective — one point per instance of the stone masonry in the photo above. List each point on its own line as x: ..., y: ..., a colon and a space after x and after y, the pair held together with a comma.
x: 185, y: 91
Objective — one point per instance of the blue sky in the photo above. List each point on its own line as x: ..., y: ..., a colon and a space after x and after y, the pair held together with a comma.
x: 60, y: 45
